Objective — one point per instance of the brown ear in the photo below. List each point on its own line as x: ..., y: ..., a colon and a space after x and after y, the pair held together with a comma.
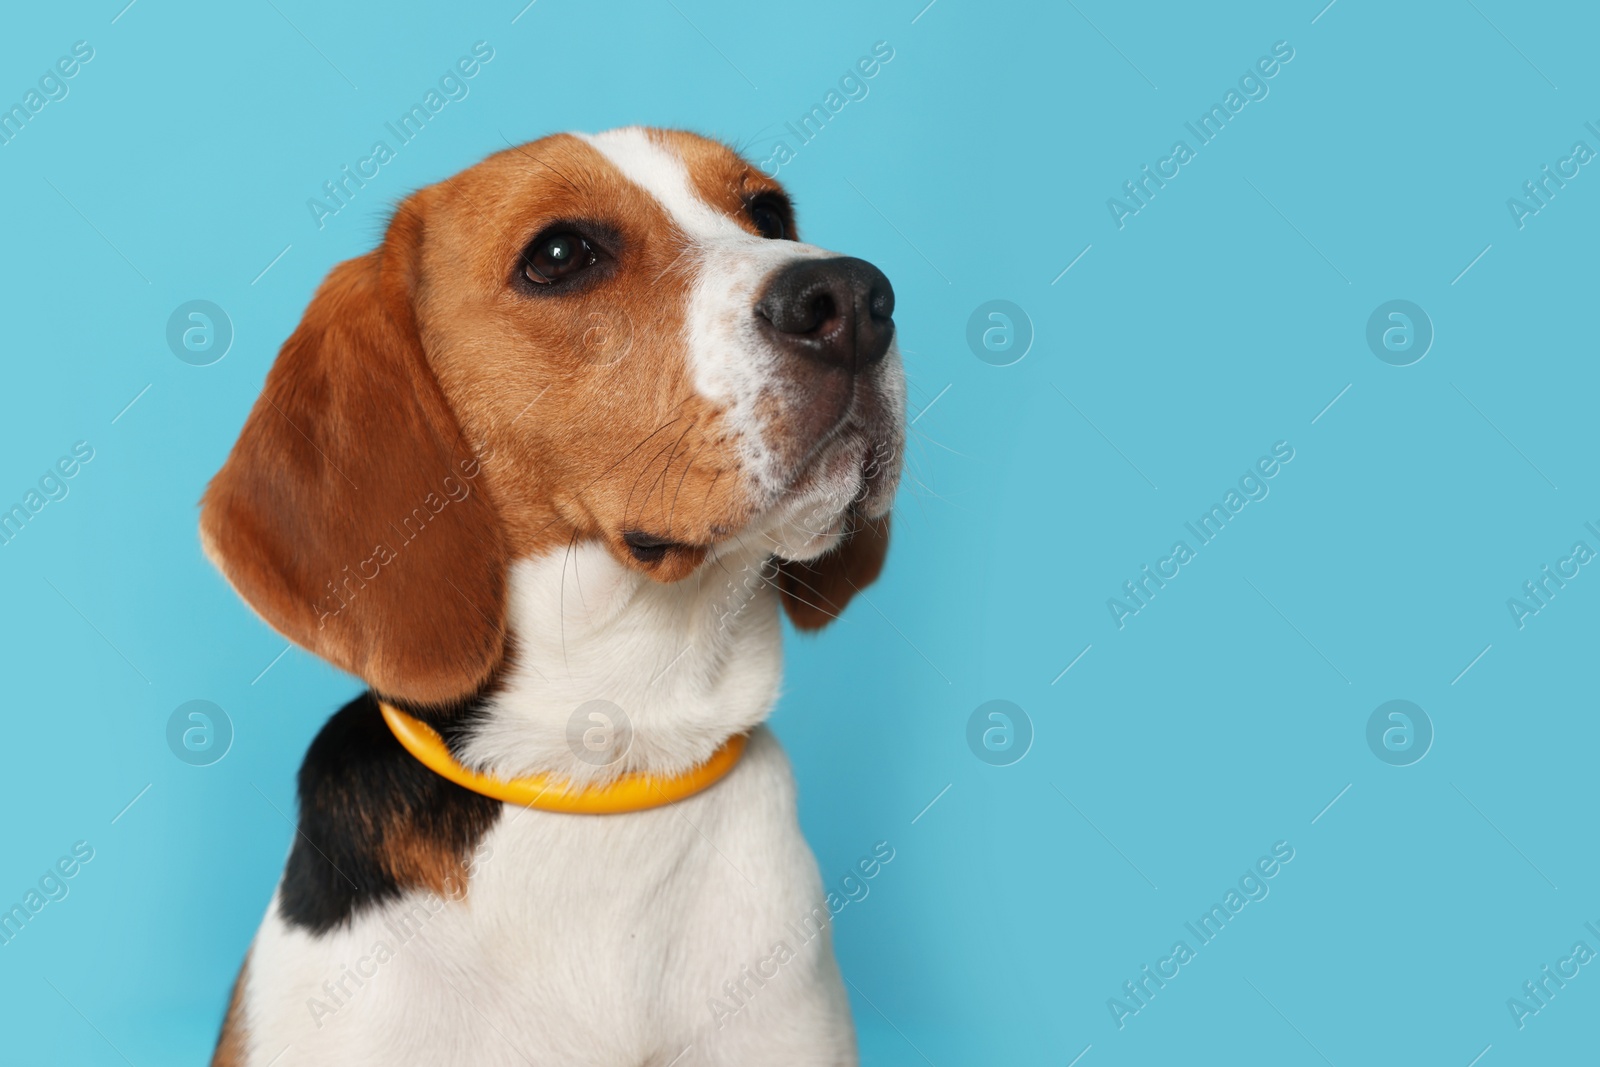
x: 816, y: 592
x: 350, y: 514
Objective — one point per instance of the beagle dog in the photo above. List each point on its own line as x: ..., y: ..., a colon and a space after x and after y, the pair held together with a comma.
x: 542, y: 470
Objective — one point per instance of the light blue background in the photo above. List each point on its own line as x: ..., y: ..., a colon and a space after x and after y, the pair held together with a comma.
x: 1223, y: 318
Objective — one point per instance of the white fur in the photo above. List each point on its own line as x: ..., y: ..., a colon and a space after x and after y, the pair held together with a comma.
x: 688, y: 664
x: 594, y: 940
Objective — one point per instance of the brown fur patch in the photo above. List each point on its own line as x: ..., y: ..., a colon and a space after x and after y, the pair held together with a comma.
x: 231, y: 1043
x: 346, y: 514
x: 417, y: 859
x: 815, y: 593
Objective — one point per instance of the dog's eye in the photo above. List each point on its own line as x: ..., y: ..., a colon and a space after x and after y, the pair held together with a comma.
x: 769, y: 221
x: 555, y: 256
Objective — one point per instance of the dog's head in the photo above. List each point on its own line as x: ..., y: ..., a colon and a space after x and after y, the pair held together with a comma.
x: 617, y: 338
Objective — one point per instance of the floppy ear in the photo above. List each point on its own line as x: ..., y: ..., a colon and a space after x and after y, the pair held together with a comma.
x: 350, y: 514
x: 816, y: 592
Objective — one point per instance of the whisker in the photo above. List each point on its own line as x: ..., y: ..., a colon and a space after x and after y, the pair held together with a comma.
x: 645, y: 469
x: 673, y: 510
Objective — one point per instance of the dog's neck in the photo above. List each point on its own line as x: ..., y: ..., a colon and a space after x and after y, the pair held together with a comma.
x: 685, y: 664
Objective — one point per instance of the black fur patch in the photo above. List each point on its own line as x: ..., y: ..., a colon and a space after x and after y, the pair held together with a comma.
x: 368, y: 811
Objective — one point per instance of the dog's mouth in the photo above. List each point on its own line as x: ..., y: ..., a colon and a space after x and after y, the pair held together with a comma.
x: 854, y: 476
x: 650, y: 548
x: 847, y: 474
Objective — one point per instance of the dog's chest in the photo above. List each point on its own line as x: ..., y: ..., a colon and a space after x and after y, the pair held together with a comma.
x: 581, y: 940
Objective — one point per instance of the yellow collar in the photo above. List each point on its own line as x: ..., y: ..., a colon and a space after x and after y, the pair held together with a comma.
x: 631, y: 792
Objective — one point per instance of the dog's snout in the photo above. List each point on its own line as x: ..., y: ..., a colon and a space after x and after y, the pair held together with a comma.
x: 839, y: 311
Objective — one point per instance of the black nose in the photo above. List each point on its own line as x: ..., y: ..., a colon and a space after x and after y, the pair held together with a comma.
x: 838, y: 311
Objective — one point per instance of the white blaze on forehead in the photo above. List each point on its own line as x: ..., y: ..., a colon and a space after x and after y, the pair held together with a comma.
x: 660, y: 172
x: 731, y: 363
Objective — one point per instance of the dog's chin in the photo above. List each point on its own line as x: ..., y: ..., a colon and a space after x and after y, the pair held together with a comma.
x: 853, y: 479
